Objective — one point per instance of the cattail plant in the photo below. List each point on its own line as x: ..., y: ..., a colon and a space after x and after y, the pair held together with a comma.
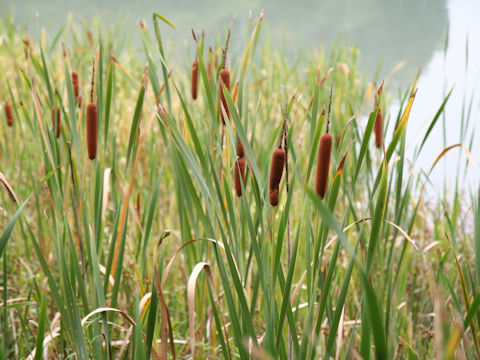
x: 239, y: 175
x: 276, y: 171
x: 240, y: 149
x: 378, y: 125
x: 92, y: 122
x: 324, y: 153
x: 279, y: 158
x: 194, y: 79
x: 224, y: 81
x: 56, y: 120
x: 9, y: 113
x: 195, y: 70
x: 75, y: 84
x: 239, y: 168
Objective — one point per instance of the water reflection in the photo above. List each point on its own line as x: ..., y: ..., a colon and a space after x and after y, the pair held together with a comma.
x: 394, y: 29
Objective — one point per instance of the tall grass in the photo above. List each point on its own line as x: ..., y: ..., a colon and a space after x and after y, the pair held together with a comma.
x: 145, y: 251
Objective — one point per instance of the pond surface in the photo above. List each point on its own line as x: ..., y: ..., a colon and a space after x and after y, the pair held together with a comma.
x: 391, y: 30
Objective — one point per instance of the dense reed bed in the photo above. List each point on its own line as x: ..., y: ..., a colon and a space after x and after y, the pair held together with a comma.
x: 156, y: 226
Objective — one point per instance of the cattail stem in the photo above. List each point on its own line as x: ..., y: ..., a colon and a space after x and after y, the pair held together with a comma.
x: 93, y: 80
x: 329, y: 108
x: 224, y: 80
x: 194, y: 35
x: 289, y: 242
x: 77, y: 217
x: 225, y: 49
x: 285, y: 145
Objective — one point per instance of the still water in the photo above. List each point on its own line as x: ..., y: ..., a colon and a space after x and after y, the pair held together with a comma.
x: 391, y: 30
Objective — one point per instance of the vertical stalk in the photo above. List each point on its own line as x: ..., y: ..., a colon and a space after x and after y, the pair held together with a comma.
x: 77, y: 218
x: 289, y: 244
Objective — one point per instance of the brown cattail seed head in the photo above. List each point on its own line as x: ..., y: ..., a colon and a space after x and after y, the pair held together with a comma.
x: 92, y: 125
x: 323, y: 164
x: 56, y: 120
x: 240, y: 149
x: 75, y: 84
x: 378, y: 127
x: 9, y: 113
x: 224, y: 81
x: 239, y: 175
x: 194, y: 79
x: 276, y: 172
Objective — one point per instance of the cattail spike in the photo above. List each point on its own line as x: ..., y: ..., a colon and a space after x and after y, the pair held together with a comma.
x: 92, y: 125
x: 378, y: 127
x: 75, y: 84
x: 224, y: 82
x: 239, y: 175
x: 225, y: 49
x: 194, y: 35
x: 194, y: 79
x: 9, y: 113
x: 56, y: 120
x: 240, y: 148
x: 93, y: 80
x: 329, y: 109
x: 323, y: 164
x: 276, y: 171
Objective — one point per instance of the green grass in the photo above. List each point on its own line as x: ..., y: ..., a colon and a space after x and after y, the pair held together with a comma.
x: 146, y: 252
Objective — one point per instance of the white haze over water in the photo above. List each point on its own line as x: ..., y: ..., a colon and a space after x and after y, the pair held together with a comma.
x: 442, y: 72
